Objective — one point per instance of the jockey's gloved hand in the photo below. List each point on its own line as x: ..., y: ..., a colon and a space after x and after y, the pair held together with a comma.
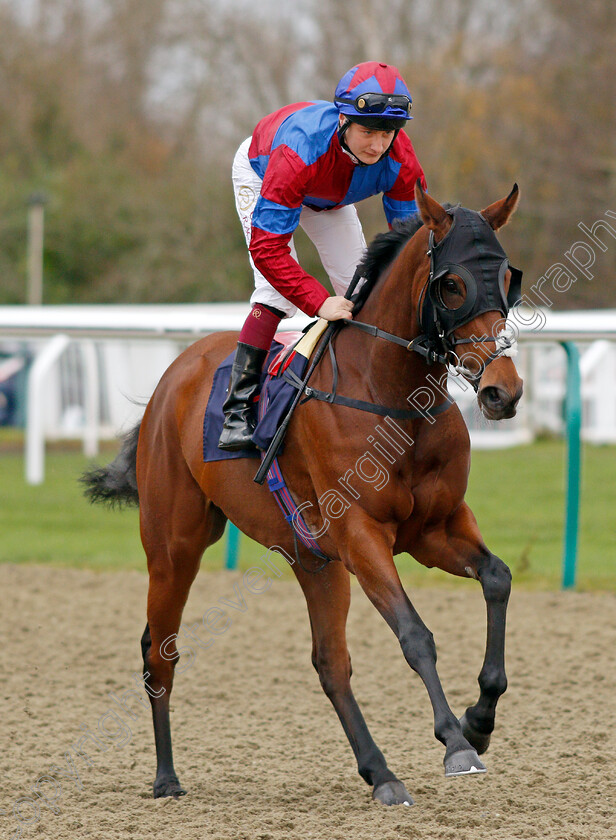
x: 335, y: 308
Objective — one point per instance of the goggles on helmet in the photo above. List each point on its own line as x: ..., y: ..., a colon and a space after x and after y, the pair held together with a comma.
x: 379, y: 103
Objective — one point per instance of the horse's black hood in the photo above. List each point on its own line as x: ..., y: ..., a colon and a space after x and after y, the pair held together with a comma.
x: 471, y: 251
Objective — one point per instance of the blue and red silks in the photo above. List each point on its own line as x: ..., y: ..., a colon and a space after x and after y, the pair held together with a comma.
x: 296, y: 152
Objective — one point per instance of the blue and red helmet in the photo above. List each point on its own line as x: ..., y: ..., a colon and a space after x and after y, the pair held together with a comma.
x: 374, y: 95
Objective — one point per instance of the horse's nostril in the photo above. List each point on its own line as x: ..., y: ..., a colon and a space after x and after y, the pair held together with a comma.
x: 493, y: 396
x: 496, y: 403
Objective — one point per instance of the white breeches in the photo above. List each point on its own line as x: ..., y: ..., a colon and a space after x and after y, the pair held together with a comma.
x: 336, y: 234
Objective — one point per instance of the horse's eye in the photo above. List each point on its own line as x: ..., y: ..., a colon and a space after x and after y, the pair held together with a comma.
x: 450, y: 292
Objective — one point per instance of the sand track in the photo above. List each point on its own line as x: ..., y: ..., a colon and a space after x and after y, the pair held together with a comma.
x: 257, y: 744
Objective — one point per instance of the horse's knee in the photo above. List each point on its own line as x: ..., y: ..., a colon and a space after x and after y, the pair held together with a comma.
x: 334, y: 671
x: 159, y: 664
x: 146, y: 642
x: 495, y: 579
x: 146, y: 652
x: 417, y: 643
x: 158, y: 674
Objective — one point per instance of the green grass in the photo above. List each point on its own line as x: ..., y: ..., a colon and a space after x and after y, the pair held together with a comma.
x: 517, y: 496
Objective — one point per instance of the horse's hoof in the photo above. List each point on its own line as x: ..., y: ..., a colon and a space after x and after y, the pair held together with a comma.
x: 392, y: 793
x: 479, y: 740
x: 462, y: 763
x: 168, y: 786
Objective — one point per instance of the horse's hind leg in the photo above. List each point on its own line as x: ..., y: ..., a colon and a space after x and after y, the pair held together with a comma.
x: 328, y: 598
x: 177, y: 524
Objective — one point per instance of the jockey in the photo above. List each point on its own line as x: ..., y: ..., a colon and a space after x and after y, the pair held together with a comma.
x: 308, y: 164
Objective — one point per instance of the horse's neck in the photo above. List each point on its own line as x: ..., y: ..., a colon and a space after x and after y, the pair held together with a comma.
x: 392, y: 306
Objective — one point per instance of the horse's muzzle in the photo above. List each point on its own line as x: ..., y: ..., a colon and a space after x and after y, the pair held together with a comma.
x: 497, y: 403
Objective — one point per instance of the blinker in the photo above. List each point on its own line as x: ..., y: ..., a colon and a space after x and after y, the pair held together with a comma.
x: 514, y: 295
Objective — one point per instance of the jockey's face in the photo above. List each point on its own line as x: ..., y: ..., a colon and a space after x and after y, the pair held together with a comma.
x: 367, y: 144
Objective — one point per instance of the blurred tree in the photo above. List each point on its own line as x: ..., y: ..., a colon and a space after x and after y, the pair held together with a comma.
x: 128, y: 114
x: 139, y: 210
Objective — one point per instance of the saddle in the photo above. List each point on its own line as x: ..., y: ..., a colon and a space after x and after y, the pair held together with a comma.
x: 289, y: 354
x: 295, y: 342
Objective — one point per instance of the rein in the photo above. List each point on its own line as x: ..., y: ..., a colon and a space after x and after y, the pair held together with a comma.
x: 333, y: 397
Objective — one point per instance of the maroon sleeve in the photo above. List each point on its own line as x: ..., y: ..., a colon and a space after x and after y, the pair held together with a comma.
x: 274, y: 220
x: 272, y: 256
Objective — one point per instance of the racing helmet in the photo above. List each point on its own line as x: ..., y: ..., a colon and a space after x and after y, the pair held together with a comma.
x: 375, y: 95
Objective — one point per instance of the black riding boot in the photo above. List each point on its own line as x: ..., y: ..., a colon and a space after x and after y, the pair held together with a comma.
x: 243, y: 387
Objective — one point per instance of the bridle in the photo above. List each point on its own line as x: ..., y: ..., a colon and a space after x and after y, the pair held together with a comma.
x: 471, y: 252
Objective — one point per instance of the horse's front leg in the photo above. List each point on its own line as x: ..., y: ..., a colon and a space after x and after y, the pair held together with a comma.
x: 370, y: 557
x: 478, y: 720
x: 457, y: 547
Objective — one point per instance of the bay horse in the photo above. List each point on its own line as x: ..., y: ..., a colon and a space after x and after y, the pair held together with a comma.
x: 184, y: 503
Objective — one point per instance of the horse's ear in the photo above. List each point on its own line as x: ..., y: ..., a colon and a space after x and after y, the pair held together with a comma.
x: 434, y: 216
x: 498, y: 214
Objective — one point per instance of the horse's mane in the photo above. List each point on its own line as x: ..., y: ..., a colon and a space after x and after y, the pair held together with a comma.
x: 382, y: 251
x: 385, y: 247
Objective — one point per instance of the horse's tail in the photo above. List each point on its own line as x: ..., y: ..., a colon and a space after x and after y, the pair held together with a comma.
x: 115, y: 484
